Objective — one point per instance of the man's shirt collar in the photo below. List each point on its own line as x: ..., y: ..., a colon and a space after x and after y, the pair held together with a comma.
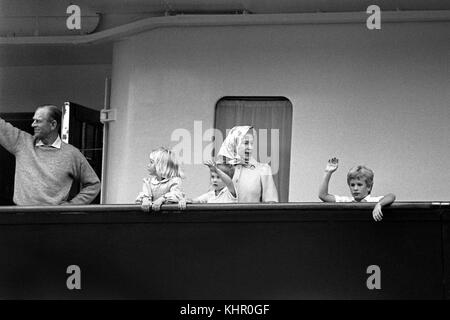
x: 56, y: 144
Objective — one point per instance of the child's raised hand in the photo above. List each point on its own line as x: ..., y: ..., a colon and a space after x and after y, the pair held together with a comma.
x: 211, y: 165
x: 332, y: 165
x: 145, y: 205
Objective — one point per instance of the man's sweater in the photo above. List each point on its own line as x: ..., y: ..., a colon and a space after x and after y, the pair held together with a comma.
x: 44, y: 175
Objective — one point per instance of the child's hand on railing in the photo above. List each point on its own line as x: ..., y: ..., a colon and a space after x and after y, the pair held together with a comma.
x: 146, y: 204
x: 376, y: 213
x: 182, y: 204
x: 170, y: 198
x: 156, y: 206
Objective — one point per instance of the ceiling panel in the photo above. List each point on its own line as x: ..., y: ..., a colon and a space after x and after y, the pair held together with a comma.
x: 29, y: 7
x: 118, y: 12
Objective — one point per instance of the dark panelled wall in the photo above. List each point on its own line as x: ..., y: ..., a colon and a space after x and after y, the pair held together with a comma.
x: 277, y: 251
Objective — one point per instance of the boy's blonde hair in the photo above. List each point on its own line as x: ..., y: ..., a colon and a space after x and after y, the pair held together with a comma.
x: 166, y: 163
x: 361, y: 173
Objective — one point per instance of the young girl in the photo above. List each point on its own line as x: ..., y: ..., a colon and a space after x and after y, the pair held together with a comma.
x: 164, y: 183
x: 253, y: 180
x: 222, y: 187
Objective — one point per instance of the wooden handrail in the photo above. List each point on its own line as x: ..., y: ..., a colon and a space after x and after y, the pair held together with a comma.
x: 225, y: 207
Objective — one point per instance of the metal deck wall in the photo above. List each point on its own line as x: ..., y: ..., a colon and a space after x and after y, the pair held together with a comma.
x: 230, y: 251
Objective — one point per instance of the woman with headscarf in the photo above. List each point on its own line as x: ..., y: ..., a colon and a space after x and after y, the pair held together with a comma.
x: 253, y: 180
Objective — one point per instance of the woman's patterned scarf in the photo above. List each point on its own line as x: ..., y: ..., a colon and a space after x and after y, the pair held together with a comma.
x: 228, y: 152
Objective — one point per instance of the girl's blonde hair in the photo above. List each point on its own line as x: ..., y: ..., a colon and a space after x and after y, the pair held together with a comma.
x: 166, y: 163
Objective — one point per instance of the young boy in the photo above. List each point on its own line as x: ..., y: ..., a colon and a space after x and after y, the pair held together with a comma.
x: 223, y: 190
x: 360, y: 182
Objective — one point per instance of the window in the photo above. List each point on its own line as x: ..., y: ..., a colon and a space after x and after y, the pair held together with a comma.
x: 272, y: 119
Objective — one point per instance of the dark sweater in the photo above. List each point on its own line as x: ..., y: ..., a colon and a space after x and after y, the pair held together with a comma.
x: 44, y: 175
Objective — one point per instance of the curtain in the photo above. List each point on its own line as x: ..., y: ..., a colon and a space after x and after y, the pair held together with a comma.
x: 272, y: 120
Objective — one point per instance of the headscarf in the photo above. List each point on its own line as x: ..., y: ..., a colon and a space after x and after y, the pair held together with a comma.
x: 228, y: 152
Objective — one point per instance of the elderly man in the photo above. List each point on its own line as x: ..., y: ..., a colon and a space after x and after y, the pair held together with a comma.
x: 45, y: 165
